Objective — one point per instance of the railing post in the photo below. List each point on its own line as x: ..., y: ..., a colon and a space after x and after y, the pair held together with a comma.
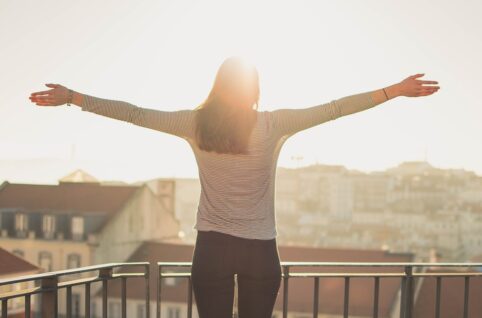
x: 4, y: 307
x: 27, y: 307
x: 409, y: 302
x: 148, y: 295
x: 466, y: 296
x: 376, y: 293
x: 87, y: 301
x: 105, y: 274
x: 123, y: 297
x: 402, y: 296
x: 316, y: 292
x: 69, y: 301
x: 406, y: 301
x: 158, y: 292
x: 48, y: 301
x: 286, y: 274
x: 346, y: 299
x: 189, y: 297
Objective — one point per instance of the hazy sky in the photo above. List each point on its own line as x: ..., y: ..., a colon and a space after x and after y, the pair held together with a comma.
x: 164, y: 55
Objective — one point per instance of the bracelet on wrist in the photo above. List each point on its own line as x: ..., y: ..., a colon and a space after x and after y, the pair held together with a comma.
x: 71, y: 96
x: 385, y: 93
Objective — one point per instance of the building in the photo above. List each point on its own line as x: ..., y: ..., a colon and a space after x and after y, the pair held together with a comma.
x: 179, y: 196
x: 13, y: 266
x: 80, y: 222
x: 413, y: 207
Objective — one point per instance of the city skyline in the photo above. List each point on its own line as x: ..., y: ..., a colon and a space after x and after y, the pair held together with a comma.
x: 64, y: 169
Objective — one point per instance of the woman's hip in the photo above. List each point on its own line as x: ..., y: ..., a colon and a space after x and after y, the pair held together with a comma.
x: 227, y: 254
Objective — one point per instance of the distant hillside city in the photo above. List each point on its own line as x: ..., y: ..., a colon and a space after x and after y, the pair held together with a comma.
x: 413, y: 207
x: 412, y: 212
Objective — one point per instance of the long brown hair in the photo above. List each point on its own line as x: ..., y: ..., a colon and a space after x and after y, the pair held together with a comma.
x: 225, y: 120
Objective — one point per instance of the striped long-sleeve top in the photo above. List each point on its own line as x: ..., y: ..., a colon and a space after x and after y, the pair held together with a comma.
x: 237, y: 191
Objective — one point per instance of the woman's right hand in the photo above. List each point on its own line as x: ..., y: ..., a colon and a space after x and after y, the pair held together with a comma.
x: 411, y: 87
x: 56, y: 96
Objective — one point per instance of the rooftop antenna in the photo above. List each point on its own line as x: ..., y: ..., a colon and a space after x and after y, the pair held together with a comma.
x: 72, y: 152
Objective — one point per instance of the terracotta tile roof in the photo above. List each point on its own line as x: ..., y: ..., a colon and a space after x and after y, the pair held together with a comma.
x: 300, y: 290
x: 451, y: 297
x: 65, y: 197
x: 12, y: 265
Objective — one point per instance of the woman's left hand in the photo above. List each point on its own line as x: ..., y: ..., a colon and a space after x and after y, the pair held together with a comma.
x: 412, y: 87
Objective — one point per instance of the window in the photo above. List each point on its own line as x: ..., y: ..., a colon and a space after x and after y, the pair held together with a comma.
x: 141, y: 311
x: 170, y: 281
x: 75, y: 305
x: 21, y: 224
x: 93, y: 309
x: 173, y: 312
x: 48, y: 226
x: 114, y: 310
x: 77, y: 227
x: 45, y: 261
x: 73, y: 261
x: 18, y: 252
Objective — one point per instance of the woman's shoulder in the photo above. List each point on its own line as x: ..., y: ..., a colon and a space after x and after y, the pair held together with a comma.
x: 264, y: 120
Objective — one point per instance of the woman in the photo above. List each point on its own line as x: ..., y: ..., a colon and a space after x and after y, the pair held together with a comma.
x: 236, y: 149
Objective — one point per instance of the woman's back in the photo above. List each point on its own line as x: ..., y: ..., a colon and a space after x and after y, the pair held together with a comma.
x: 237, y: 191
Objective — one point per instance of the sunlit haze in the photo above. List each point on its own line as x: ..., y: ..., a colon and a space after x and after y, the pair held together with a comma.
x: 164, y: 55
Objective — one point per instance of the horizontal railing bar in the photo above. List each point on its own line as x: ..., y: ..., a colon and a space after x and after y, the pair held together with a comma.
x: 175, y: 264
x: 380, y: 264
x: 128, y: 275
x: 458, y: 274
x: 69, y: 272
x: 348, y: 264
x: 175, y: 274
x: 311, y: 275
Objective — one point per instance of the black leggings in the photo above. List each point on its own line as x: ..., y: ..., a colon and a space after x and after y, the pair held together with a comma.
x: 217, y: 257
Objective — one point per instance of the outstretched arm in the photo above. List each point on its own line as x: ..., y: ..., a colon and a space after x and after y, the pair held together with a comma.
x: 287, y: 122
x: 178, y: 123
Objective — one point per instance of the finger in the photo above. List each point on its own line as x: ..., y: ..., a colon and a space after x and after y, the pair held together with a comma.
x: 44, y: 101
x: 426, y: 82
x: 42, y: 97
x: 417, y: 75
x: 430, y: 87
x: 429, y: 92
x: 41, y: 93
x: 52, y: 85
x: 49, y: 100
x: 43, y: 104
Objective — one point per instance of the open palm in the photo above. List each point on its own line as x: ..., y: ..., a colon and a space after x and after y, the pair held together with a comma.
x: 412, y: 87
x: 56, y: 96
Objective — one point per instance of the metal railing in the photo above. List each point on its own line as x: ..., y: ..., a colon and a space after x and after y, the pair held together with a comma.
x: 49, y: 284
x: 406, y: 276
